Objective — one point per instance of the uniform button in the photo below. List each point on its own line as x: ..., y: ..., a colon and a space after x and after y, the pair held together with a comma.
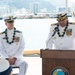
x: 16, y: 43
x: 61, y: 37
x: 11, y: 33
x: 54, y: 37
x: 61, y: 43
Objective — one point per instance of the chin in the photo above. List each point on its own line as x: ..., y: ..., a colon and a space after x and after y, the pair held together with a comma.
x: 62, y: 25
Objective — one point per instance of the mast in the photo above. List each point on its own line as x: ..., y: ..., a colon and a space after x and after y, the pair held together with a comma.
x: 66, y: 6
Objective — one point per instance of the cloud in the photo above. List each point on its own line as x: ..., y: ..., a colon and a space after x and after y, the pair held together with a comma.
x: 71, y: 2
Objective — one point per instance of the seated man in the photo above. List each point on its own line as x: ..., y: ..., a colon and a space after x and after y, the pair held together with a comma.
x: 5, y: 69
x: 12, y: 45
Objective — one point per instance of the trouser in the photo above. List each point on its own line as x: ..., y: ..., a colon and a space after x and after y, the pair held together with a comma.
x: 6, y: 72
x: 22, y: 66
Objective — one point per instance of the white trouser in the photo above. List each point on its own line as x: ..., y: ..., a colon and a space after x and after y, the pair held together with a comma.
x: 22, y: 66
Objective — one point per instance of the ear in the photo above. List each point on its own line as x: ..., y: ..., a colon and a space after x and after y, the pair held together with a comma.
x: 67, y: 17
x: 5, y: 23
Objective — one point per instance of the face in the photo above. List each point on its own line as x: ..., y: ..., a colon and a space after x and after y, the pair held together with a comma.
x: 10, y: 25
x: 63, y: 22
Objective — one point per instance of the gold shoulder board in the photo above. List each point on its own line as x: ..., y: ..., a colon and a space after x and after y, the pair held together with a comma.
x: 0, y: 33
x: 54, y: 24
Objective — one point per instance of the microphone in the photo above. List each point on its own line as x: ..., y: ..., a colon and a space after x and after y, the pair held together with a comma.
x: 55, y: 30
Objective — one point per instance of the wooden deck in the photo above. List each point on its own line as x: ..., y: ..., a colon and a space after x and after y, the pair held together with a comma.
x: 31, y: 52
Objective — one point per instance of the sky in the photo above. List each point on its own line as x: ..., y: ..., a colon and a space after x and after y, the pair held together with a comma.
x: 62, y: 2
x: 57, y: 2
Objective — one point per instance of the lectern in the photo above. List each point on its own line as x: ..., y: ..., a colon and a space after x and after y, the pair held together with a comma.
x: 57, y: 58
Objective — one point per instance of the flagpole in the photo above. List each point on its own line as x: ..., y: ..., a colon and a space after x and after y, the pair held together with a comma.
x: 66, y: 6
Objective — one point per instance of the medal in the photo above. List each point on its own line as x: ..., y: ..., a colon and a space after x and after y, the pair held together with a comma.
x: 69, y: 32
x: 16, y: 39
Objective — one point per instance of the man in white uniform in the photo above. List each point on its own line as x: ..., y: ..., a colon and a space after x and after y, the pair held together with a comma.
x: 61, y: 34
x: 12, y: 45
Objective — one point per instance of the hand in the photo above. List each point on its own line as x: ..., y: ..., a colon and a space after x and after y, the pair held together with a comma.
x: 12, y: 60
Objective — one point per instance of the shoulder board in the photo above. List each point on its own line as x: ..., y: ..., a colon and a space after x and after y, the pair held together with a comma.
x: 54, y: 24
x: 72, y: 23
x: 0, y: 33
x: 18, y: 31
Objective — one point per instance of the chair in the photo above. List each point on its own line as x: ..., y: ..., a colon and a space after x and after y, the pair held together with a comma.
x: 15, y: 67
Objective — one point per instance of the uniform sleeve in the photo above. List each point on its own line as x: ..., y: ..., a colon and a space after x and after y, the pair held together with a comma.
x: 49, y: 41
x: 19, y: 53
x: 2, y: 51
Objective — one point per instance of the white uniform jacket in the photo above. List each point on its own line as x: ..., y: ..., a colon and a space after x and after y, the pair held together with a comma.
x: 66, y: 42
x: 12, y: 50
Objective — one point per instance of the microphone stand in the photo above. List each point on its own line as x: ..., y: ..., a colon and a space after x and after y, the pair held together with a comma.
x: 52, y: 35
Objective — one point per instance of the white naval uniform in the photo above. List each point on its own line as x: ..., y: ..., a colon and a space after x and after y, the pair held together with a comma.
x: 14, y: 50
x: 65, y: 43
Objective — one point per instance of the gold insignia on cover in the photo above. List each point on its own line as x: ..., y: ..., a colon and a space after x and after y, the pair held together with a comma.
x: 17, y: 39
x: 11, y: 17
x: 61, y: 16
x: 69, y: 32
